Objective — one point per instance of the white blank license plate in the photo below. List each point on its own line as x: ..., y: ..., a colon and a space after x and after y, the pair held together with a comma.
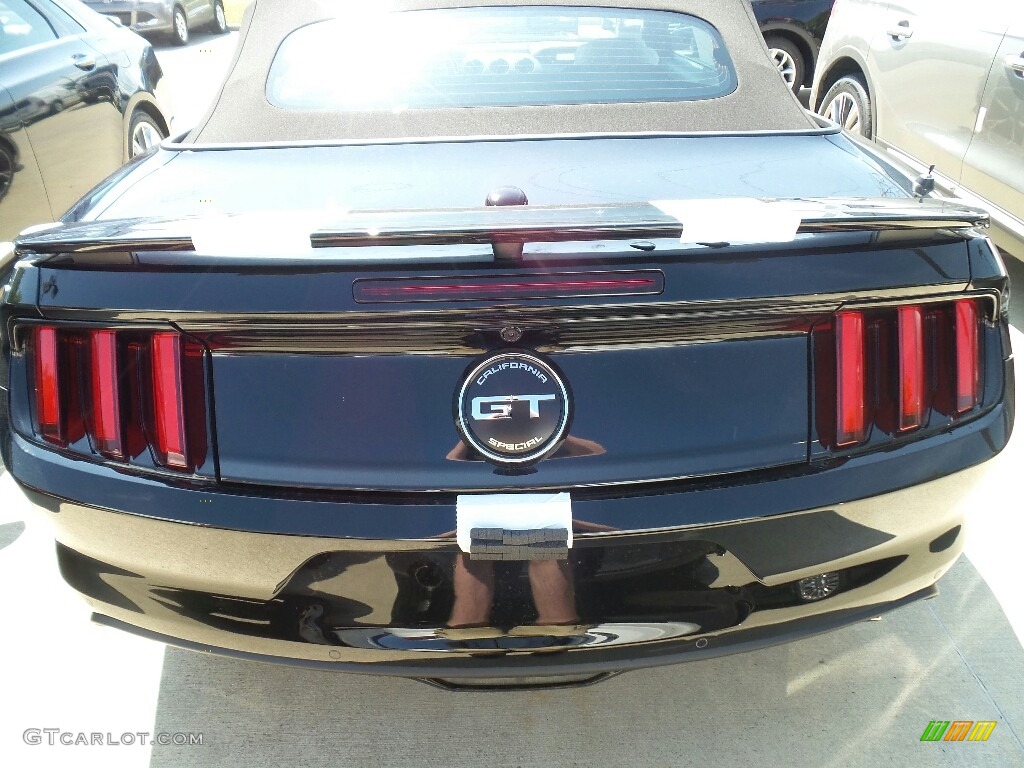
x: 512, y: 512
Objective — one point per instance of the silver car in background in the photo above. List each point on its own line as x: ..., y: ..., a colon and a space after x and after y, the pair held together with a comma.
x: 175, y: 18
x: 938, y: 83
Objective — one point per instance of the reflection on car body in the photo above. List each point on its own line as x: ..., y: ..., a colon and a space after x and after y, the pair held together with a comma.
x: 500, y: 375
x: 74, y: 91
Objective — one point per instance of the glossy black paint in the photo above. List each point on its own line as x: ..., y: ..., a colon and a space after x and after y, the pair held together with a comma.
x: 822, y: 271
x: 65, y: 108
x: 663, y: 582
x: 267, y: 329
x: 650, y: 597
x: 390, y: 515
x: 322, y: 527
x: 502, y: 671
x: 560, y: 171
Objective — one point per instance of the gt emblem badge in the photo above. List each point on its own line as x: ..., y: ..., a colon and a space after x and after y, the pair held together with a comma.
x: 513, y: 408
x: 500, y: 407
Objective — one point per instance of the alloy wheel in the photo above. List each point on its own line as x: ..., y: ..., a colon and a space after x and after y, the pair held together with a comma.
x: 180, y: 26
x: 144, y: 137
x: 785, y: 64
x: 6, y: 171
x: 845, y: 111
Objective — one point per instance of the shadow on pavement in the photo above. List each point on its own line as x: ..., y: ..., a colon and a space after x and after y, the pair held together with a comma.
x: 197, y: 39
x: 9, y: 533
x: 1015, y: 268
x: 860, y: 696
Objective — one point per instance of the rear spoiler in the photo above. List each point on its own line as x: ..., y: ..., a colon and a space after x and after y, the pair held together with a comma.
x: 716, y: 222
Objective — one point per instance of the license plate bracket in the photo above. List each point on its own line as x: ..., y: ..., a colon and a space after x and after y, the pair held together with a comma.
x: 514, y: 526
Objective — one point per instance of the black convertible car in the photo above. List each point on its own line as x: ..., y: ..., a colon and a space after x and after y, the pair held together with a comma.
x: 496, y: 343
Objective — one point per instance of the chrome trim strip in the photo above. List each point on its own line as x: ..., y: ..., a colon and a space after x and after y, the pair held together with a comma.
x: 178, y: 143
x: 623, y: 221
x: 460, y: 226
x: 990, y: 295
x: 999, y: 216
x: 560, y: 328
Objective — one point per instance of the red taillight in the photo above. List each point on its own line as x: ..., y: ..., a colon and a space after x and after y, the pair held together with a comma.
x: 851, y: 423
x: 896, y: 369
x: 128, y: 390
x: 48, y: 413
x: 171, y: 439
x: 104, y: 395
x: 910, y: 331
x: 486, y: 287
x: 968, y: 369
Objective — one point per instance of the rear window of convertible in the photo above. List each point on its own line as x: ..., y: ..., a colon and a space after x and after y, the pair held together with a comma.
x: 498, y: 56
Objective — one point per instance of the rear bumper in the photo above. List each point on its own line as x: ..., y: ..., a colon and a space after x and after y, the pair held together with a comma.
x: 418, y: 607
x: 503, y: 670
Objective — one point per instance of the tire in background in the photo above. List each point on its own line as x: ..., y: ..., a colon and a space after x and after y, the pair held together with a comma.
x: 179, y: 26
x: 848, y: 104
x: 219, y: 25
x: 144, y: 133
x: 789, y: 60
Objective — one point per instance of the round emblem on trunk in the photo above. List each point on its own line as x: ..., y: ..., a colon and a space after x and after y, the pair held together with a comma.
x: 513, y: 408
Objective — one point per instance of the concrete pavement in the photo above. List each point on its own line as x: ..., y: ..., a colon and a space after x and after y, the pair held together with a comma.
x: 193, y: 75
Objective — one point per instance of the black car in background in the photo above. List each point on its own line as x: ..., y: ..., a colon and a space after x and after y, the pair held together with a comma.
x: 536, y: 342
x: 78, y: 98
x: 793, y: 30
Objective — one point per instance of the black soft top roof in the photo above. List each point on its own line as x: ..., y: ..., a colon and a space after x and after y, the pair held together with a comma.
x: 241, y: 112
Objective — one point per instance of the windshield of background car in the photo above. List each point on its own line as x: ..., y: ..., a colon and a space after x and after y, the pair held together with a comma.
x: 497, y: 57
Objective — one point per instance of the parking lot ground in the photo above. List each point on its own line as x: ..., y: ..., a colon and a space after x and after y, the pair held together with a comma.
x: 194, y: 73
x: 1015, y: 268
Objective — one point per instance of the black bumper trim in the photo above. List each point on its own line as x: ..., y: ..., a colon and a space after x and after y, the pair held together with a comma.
x: 554, y: 664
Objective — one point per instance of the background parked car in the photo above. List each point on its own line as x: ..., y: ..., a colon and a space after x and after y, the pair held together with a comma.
x: 936, y: 86
x: 793, y: 30
x: 77, y: 99
x: 175, y: 18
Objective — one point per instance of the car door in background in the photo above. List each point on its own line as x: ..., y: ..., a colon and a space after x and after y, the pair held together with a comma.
x: 22, y: 195
x: 931, y: 62
x: 199, y: 12
x: 64, y: 96
x: 994, y: 167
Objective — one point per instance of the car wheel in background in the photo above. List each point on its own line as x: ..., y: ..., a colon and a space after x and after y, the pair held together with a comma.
x: 847, y: 103
x: 6, y: 170
x: 179, y: 26
x: 789, y: 59
x: 219, y: 25
x: 144, y: 133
